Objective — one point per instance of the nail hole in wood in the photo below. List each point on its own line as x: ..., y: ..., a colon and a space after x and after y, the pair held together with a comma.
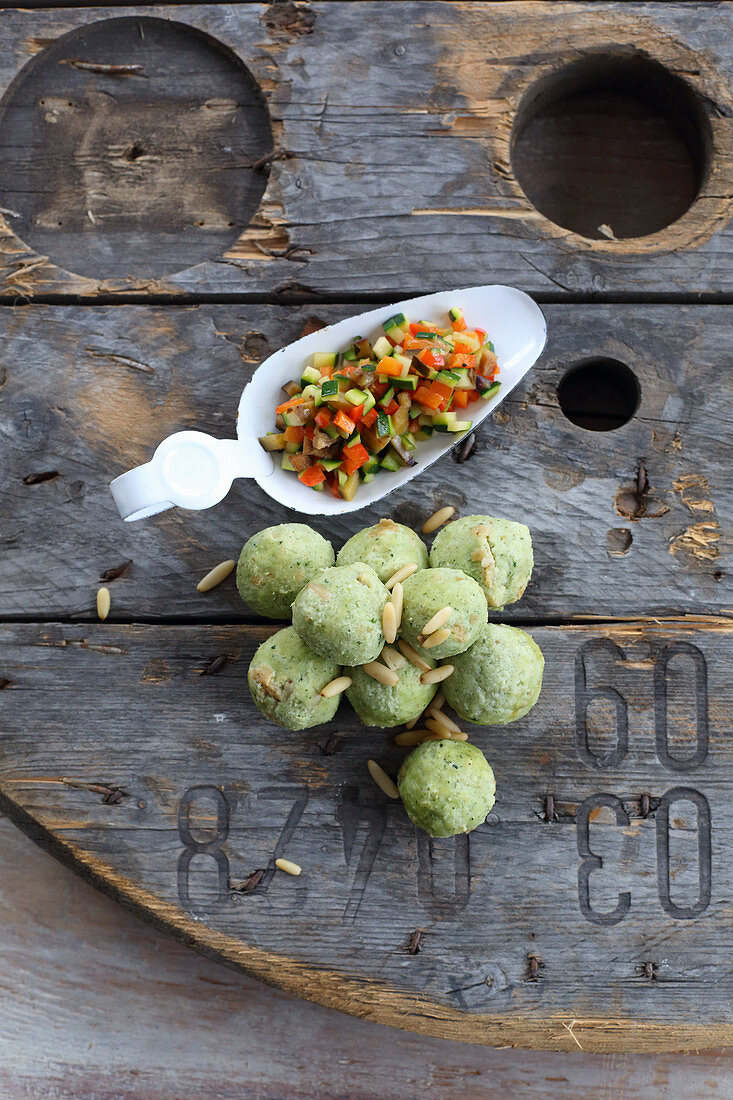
x: 612, y: 146
x: 599, y: 395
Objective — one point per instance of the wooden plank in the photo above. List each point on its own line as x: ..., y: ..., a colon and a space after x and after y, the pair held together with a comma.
x: 89, y: 393
x: 220, y: 1033
x: 396, y: 174
x: 168, y: 790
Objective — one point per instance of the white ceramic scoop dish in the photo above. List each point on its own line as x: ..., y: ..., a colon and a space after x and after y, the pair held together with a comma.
x: 193, y: 470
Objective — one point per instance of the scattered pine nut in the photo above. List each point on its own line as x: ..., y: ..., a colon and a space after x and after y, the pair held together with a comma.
x: 437, y: 520
x: 103, y: 603
x: 216, y: 575
x: 336, y: 687
x: 462, y: 736
x: 412, y: 656
x: 382, y: 673
x: 401, y: 575
x: 389, y: 622
x: 413, y: 722
x: 392, y: 658
x: 288, y: 866
x: 410, y: 738
x: 440, y: 618
x: 442, y: 672
x: 438, y: 716
x: 437, y: 638
x: 445, y: 732
x: 398, y: 600
x: 382, y: 780
x: 438, y: 699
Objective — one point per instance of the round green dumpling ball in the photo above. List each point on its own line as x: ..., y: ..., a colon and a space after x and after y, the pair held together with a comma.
x: 498, y: 679
x: 378, y: 704
x: 276, y: 563
x: 387, y: 547
x: 286, y: 679
x: 339, y: 613
x: 497, y: 553
x: 447, y: 787
x: 428, y: 592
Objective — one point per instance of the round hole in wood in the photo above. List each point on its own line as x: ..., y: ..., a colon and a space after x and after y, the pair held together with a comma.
x: 599, y: 394
x: 611, y: 146
x: 142, y: 170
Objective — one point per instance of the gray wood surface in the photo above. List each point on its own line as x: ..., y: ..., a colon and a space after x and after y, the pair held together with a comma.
x: 395, y: 124
x: 170, y: 790
x: 130, y: 1013
x: 90, y: 393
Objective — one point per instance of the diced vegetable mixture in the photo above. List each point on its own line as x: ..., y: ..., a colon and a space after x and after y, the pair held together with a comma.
x: 365, y: 409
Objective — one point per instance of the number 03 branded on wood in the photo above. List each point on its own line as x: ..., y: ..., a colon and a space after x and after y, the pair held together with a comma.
x: 595, y: 892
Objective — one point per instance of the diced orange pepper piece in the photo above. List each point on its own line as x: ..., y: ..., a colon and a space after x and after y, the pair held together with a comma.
x: 442, y: 389
x: 343, y: 422
x: 297, y: 400
x: 314, y: 475
x: 424, y: 397
x: 356, y: 455
x: 389, y: 366
x: 462, y: 359
x: 369, y: 418
x: 323, y: 418
x: 294, y: 435
x: 460, y: 399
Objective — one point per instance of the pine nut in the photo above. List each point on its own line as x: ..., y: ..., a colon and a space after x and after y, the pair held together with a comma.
x: 401, y: 575
x: 382, y: 673
x: 441, y: 728
x: 392, y: 658
x: 437, y: 520
x: 389, y: 622
x: 288, y: 866
x: 459, y: 736
x: 336, y: 687
x: 437, y: 638
x: 398, y: 600
x: 438, y: 699
x: 442, y: 672
x: 438, y: 716
x: 382, y: 780
x: 103, y: 603
x: 410, y: 738
x: 412, y: 656
x: 216, y: 575
x: 440, y: 618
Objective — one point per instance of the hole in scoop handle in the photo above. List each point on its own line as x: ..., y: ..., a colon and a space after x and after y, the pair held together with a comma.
x: 189, y: 470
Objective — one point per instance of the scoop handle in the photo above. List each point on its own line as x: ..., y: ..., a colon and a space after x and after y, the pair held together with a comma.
x: 188, y: 470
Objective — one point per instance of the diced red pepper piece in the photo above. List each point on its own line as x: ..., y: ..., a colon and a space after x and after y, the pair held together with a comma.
x: 356, y: 455
x: 309, y: 431
x: 423, y: 396
x: 343, y: 422
x: 314, y: 475
x: 431, y: 358
x: 294, y: 435
x: 370, y: 417
x: 356, y: 413
x: 481, y: 334
x: 333, y: 486
x: 379, y: 388
x: 323, y: 418
x: 473, y: 395
x: 391, y: 408
x: 349, y: 370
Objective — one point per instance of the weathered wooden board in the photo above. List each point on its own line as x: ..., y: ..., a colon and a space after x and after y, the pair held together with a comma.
x: 394, y: 122
x: 156, y: 1020
x: 167, y: 788
x: 89, y: 393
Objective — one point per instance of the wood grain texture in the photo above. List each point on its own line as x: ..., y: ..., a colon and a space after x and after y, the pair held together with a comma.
x: 168, y: 790
x: 395, y: 123
x: 90, y: 393
x: 130, y: 1013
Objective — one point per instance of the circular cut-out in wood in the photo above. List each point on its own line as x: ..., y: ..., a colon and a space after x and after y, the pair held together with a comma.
x: 612, y: 146
x: 599, y: 394
x: 127, y: 148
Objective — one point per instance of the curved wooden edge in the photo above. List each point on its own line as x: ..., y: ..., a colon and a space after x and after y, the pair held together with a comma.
x: 365, y: 999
